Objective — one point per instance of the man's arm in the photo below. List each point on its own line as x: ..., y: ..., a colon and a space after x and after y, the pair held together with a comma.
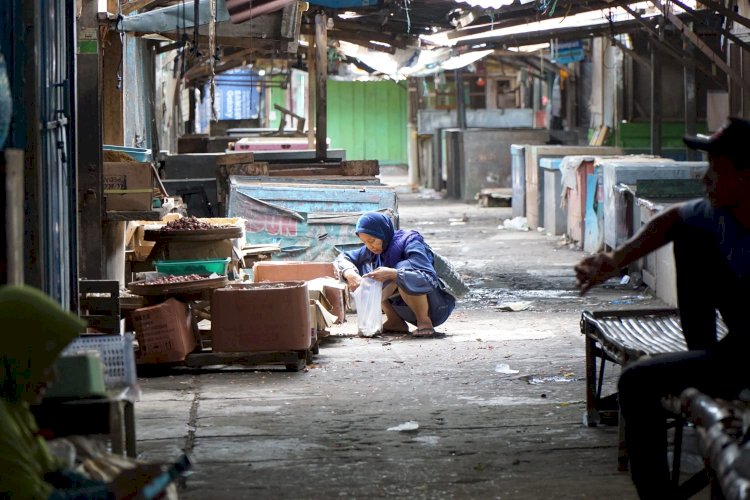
x: 599, y: 267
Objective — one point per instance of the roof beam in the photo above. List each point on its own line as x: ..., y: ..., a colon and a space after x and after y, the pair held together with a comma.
x: 669, y: 49
x: 703, y: 47
x: 258, y: 44
x: 361, y: 30
x: 718, y: 7
x: 724, y: 31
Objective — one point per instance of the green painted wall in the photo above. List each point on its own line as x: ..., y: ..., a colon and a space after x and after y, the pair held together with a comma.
x: 368, y: 120
x: 638, y: 135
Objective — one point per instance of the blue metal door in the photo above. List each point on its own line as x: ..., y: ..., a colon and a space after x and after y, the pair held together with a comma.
x: 41, y: 71
x: 55, y: 32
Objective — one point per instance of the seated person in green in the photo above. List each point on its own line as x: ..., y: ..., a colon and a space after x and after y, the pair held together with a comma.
x: 412, y: 290
x: 35, y: 331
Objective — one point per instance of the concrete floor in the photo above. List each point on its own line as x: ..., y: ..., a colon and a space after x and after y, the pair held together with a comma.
x: 482, y: 432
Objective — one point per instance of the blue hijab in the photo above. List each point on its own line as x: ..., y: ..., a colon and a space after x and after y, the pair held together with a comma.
x: 394, y: 242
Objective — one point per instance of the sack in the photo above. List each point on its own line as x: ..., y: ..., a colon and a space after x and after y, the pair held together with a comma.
x: 367, y: 299
x: 452, y: 281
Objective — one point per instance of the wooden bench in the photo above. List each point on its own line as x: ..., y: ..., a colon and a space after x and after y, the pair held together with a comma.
x: 621, y: 337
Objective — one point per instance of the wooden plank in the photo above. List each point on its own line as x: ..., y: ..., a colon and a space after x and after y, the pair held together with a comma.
x: 112, y: 91
x: 235, y: 158
x: 360, y: 167
x: 127, y: 216
x: 302, y: 165
x: 307, y: 172
x: 311, y: 102
x: 201, y: 359
x: 14, y: 220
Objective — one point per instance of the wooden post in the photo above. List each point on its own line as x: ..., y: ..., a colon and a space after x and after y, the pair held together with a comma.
x: 412, y: 143
x: 655, y: 101
x: 112, y: 92
x: 460, y: 104
x: 690, y: 106
x: 89, y: 132
x: 321, y: 79
x: 311, y: 83
x: 14, y: 194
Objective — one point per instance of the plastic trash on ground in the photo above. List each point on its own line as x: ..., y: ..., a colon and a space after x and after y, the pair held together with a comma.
x: 516, y: 223
x: 411, y: 425
x: 504, y: 368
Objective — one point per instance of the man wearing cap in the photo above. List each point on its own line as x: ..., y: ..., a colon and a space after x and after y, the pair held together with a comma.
x: 711, y: 237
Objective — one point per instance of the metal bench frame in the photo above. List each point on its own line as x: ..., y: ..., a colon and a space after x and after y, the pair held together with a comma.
x: 621, y: 337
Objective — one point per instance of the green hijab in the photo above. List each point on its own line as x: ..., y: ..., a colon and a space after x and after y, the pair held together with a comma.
x: 35, y: 329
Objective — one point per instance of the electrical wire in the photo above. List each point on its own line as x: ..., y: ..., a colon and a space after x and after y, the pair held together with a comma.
x: 547, y: 7
x: 408, y: 16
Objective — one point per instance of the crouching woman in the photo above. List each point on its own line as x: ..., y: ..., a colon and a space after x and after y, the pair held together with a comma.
x: 401, y: 260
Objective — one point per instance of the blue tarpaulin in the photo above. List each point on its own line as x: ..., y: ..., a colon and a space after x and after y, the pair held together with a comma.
x: 237, y: 97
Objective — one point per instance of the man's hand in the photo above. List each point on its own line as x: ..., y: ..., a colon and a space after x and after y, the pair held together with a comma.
x: 383, y: 274
x: 594, y: 270
x: 353, y: 279
x: 130, y: 482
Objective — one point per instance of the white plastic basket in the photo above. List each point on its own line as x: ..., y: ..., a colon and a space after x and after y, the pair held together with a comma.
x: 118, y: 358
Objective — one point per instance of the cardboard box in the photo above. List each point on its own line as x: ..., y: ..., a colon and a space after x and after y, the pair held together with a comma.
x: 323, y: 317
x: 164, y: 332
x: 292, y: 271
x: 261, y: 317
x: 313, y: 323
x: 334, y: 292
x: 128, y: 186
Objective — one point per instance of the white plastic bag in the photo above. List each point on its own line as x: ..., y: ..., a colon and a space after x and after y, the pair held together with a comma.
x: 367, y: 301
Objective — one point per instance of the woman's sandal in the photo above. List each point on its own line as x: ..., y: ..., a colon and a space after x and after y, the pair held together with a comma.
x: 395, y: 332
x: 427, y: 333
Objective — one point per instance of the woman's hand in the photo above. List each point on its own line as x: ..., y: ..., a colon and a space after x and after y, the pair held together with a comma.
x: 353, y: 279
x: 383, y: 274
x: 594, y: 270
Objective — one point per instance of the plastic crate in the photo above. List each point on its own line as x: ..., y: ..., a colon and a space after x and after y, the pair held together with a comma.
x: 118, y: 357
x: 182, y: 267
